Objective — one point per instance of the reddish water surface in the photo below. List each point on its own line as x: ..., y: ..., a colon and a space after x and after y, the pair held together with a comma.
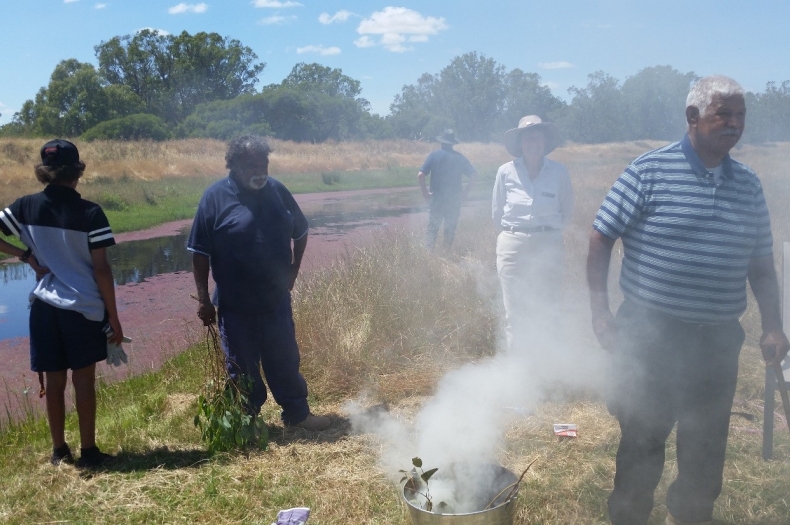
x: 159, y: 314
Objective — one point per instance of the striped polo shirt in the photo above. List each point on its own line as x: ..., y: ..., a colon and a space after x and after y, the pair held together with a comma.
x: 687, y: 239
x: 62, y: 228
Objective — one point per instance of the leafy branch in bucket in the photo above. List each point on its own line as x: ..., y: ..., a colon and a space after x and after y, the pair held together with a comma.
x: 222, y: 417
x: 417, y: 483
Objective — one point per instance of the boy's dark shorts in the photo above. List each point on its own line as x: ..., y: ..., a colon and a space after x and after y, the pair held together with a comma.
x: 62, y: 339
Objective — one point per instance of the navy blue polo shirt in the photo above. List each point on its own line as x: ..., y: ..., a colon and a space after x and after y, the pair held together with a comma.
x: 247, y: 236
x: 446, y: 167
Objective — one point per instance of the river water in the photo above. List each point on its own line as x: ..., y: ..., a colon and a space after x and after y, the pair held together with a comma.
x: 331, y: 216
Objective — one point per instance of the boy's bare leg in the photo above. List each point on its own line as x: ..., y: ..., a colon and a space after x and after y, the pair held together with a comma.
x: 84, y: 381
x: 56, y: 406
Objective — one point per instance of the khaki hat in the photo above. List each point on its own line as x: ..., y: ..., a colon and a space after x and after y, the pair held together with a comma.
x: 447, y: 137
x: 512, y: 137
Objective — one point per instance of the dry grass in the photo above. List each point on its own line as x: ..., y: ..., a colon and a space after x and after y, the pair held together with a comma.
x: 389, y: 319
x: 183, y: 158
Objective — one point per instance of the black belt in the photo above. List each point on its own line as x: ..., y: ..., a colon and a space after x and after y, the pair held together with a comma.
x: 527, y: 229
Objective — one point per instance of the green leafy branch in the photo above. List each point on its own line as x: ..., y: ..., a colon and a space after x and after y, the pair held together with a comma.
x: 417, y: 483
x: 222, y: 416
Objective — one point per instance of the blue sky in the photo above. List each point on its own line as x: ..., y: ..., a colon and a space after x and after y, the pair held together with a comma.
x: 386, y: 45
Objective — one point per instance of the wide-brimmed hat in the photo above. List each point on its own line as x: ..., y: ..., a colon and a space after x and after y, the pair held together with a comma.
x: 512, y: 137
x: 447, y: 137
x: 59, y: 152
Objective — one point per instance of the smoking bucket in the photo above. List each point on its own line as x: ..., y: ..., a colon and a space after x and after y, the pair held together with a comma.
x: 501, y: 512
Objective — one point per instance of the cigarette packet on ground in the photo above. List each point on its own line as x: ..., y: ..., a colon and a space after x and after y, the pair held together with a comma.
x: 565, y: 429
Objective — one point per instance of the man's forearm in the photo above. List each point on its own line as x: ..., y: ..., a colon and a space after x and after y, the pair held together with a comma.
x: 200, y: 270
x: 10, y: 249
x: 299, y: 247
x: 423, y: 186
x: 762, y: 278
x: 598, y: 258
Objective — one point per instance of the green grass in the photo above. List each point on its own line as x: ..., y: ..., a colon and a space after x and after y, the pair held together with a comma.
x: 390, y: 335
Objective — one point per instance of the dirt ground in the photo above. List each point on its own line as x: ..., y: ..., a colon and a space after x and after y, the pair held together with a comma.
x: 159, y: 314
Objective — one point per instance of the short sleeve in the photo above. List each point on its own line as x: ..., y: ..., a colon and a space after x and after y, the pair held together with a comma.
x: 301, y: 225
x: 9, y: 220
x: 622, y: 206
x: 427, y: 165
x: 200, y: 238
x: 99, y: 232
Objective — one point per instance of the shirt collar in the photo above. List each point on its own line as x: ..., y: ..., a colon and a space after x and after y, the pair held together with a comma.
x: 696, y: 163
x: 61, y: 191
x: 520, y: 161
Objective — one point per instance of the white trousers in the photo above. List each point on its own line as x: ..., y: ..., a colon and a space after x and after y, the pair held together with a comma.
x: 530, y: 268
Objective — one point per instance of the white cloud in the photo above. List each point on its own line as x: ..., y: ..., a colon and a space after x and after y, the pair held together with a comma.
x: 364, y: 41
x: 340, y: 16
x: 397, y: 25
x: 320, y: 49
x: 275, y: 3
x: 188, y: 8
x: 70, y: 1
x: 100, y: 6
x: 159, y: 31
x: 276, y: 19
x: 555, y: 65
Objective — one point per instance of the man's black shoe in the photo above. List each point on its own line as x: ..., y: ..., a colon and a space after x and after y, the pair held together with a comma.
x: 93, y: 458
x: 62, y: 454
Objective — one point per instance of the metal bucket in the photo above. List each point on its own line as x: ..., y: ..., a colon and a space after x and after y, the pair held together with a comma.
x: 502, y: 512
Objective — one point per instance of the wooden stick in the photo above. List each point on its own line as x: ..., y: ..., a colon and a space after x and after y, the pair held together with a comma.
x: 780, y: 379
x: 512, y: 486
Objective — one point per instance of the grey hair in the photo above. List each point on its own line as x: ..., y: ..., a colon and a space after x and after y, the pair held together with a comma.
x: 702, y: 93
x: 246, y: 147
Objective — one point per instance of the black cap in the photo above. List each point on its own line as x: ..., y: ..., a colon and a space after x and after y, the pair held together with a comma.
x: 59, y: 152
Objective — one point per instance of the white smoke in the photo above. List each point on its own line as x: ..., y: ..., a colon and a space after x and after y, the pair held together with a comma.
x: 465, y: 421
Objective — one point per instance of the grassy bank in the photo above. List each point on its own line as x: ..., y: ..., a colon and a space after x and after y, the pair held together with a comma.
x: 369, y: 324
x: 143, y: 184
x: 386, y: 322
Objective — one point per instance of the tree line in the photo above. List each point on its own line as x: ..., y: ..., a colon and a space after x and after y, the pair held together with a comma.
x: 155, y: 86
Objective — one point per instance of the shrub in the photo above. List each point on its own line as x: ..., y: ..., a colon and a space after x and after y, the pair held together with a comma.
x: 133, y: 127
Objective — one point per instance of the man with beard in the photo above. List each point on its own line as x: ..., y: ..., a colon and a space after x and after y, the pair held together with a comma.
x: 251, y: 233
x: 695, y: 228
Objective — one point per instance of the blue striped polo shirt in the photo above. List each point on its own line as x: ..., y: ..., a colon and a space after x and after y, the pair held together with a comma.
x: 687, y: 240
x: 62, y: 229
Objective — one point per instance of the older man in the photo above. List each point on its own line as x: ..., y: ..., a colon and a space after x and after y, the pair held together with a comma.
x: 445, y: 167
x: 695, y: 228
x: 243, y: 232
x: 532, y: 203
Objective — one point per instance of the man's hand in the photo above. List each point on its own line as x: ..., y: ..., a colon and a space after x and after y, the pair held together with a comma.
x: 605, y: 328
x: 207, y: 313
x: 774, y: 345
x: 427, y: 196
x: 115, y: 333
x: 293, y: 273
x: 41, y: 271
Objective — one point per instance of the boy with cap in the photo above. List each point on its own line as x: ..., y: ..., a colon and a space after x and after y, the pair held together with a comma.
x: 74, y: 296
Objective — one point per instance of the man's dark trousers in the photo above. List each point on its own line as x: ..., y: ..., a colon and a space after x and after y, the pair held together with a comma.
x: 445, y: 208
x: 266, y: 339
x: 667, y: 371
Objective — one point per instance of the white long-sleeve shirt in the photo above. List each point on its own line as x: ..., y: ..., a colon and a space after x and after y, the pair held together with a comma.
x: 519, y: 201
